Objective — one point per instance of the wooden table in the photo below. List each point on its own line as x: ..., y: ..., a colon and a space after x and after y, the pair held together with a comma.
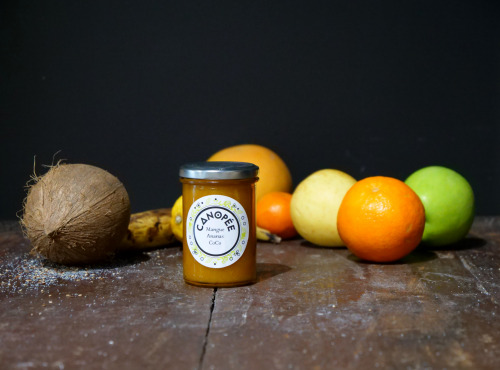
x: 312, y: 308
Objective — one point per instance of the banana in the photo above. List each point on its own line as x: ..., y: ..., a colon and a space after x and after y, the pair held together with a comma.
x: 267, y: 236
x: 149, y: 229
x: 154, y: 228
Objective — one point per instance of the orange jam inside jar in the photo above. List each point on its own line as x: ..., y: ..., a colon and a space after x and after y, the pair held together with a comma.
x: 219, y: 241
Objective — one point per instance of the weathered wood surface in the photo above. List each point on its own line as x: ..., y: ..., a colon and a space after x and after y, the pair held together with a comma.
x: 133, y: 314
x: 312, y: 308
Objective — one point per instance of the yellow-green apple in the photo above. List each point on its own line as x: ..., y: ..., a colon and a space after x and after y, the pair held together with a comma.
x: 315, y: 204
x: 448, y: 200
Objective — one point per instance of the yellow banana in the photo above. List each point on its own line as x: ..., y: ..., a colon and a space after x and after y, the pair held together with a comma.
x: 149, y: 229
x: 267, y: 236
x: 157, y: 227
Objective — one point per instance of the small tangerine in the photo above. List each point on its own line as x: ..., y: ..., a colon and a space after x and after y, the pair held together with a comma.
x: 273, y: 214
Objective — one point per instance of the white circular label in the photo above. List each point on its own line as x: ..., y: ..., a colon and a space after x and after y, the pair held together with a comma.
x: 216, y: 230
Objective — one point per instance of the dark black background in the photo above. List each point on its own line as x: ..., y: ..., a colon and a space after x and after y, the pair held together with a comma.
x: 141, y: 87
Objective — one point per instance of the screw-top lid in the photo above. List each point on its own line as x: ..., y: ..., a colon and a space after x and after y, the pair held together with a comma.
x: 219, y: 170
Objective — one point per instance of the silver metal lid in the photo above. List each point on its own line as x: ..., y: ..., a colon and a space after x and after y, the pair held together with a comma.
x: 219, y: 170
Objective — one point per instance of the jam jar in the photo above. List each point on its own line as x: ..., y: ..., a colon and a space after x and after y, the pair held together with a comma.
x: 219, y: 241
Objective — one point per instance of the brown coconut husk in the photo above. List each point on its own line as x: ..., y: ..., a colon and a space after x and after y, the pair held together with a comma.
x: 76, y: 214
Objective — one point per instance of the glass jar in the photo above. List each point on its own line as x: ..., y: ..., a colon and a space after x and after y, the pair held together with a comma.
x: 219, y: 241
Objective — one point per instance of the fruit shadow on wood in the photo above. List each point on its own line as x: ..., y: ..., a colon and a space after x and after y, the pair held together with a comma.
x: 307, y: 244
x: 419, y: 255
x: 470, y: 242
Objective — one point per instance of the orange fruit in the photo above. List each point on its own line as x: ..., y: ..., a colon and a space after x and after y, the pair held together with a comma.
x: 381, y: 219
x: 273, y: 172
x: 273, y: 214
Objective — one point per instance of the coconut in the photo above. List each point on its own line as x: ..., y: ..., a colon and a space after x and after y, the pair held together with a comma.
x: 76, y: 214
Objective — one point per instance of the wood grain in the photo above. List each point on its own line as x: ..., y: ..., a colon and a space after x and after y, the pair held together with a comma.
x: 312, y: 308
x: 132, y: 314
